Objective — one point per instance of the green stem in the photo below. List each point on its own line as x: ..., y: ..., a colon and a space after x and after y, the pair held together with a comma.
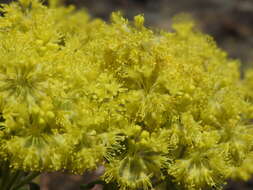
x: 5, y: 175
x: 1, y: 176
x: 14, y: 178
x: 25, y: 180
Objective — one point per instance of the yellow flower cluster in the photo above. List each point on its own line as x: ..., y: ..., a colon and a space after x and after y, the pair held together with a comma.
x: 77, y: 93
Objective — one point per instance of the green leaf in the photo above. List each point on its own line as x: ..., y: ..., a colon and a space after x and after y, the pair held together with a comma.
x: 84, y: 187
x: 34, y: 186
x: 110, y: 186
x: 23, y: 188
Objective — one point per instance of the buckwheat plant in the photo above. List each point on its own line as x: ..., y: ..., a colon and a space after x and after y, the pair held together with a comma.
x: 154, y: 108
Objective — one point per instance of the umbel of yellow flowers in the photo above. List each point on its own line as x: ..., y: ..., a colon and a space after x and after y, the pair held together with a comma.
x: 77, y: 93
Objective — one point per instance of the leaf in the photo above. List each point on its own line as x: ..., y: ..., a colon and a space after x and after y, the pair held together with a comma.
x: 23, y: 188
x: 84, y: 187
x: 110, y: 186
x: 34, y: 186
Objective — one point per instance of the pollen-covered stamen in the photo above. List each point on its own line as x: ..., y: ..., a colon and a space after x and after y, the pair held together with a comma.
x: 139, y: 162
x: 24, y: 81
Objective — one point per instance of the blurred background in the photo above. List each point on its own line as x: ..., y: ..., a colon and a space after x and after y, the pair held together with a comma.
x: 230, y: 22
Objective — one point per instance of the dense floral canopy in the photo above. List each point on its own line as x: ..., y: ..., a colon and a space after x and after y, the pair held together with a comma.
x: 77, y: 93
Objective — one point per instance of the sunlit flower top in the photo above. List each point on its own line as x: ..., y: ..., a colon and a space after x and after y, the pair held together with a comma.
x: 77, y: 93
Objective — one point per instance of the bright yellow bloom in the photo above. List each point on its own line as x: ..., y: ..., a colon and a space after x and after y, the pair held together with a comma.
x: 77, y: 93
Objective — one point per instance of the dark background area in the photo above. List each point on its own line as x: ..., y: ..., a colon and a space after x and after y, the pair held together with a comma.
x: 230, y: 22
